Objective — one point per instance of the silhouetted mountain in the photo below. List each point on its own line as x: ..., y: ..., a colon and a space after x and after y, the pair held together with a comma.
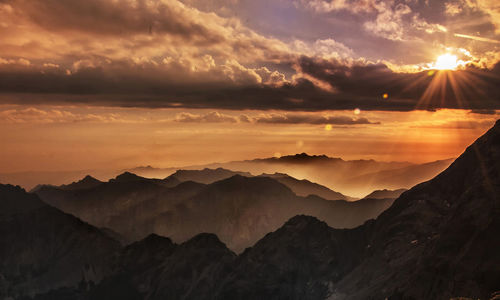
x: 122, y: 203
x: 298, y: 261
x: 301, y: 158
x: 240, y: 209
x: 305, y: 187
x: 156, y: 268
x: 86, y: 183
x: 29, y: 180
x: 299, y: 187
x: 42, y: 248
x: 437, y: 241
x: 349, y: 177
x: 383, y: 194
x: 206, y: 175
x: 128, y: 177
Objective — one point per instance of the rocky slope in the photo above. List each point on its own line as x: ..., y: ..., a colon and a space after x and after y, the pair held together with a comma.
x: 437, y: 241
x: 384, y: 194
x: 42, y: 248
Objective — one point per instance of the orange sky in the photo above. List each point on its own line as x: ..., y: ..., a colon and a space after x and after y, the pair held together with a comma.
x: 88, y: 84
x: 75, y: 138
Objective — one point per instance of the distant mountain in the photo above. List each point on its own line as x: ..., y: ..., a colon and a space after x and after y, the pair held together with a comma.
x: 305, y: 187
x: 349, y: 177
x: 206, y: 175
x: 29, y: 180
x: 302, y: 158
x: 86, y: 183
x: 42, y: 248
x: 239, y: 209
x: 383, y: 194
x: 126, y: 196
x: 400, y: 178
x: 334, y: 173
x: 299, y: 187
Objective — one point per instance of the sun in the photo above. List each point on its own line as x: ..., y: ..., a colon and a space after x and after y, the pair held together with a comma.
x: 447, y: 62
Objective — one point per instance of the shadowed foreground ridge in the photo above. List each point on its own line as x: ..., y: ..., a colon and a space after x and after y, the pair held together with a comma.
x: 438, y: 240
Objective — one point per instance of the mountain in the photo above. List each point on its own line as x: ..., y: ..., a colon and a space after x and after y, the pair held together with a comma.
x: 29, y: 180
x: 334, y: 173
x: 349, y: 177
x: 405, y: 177
x: 299, y: 187
x: 156, y: 268
x: 115, y: 203
x: 239, y: 209
x: 86, y: 183
x: 437, y: 241
x: 305, y: 187
x: 383, y: 194
x: 206, y: 175
x: 42, y: 248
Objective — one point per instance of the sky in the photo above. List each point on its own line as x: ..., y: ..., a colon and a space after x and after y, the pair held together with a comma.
x: 88, y: 84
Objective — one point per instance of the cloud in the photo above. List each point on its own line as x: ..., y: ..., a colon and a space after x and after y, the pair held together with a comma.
x: 162, y: 53
x: 311, y: 119
x: 120, y: 17
x: 355, y: 6
x: 392, y: 20
x: 352, y: 85
x: 452, y: 9
x: 43, y: 116
x: 484, y: 111
x: 491, y: 7
x: 273, y: 118
x: 388, y: 23
x: 212, y: 117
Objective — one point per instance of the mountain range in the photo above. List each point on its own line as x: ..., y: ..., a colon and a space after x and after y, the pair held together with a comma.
x: 240, y: 208
x: 355, y: 178
x: 438, y: 240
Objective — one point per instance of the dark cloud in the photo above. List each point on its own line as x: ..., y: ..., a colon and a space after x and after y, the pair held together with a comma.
x: 484, y: 111
x: 357, y: 86
x: 311, y: 119
x: 274, y: 118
